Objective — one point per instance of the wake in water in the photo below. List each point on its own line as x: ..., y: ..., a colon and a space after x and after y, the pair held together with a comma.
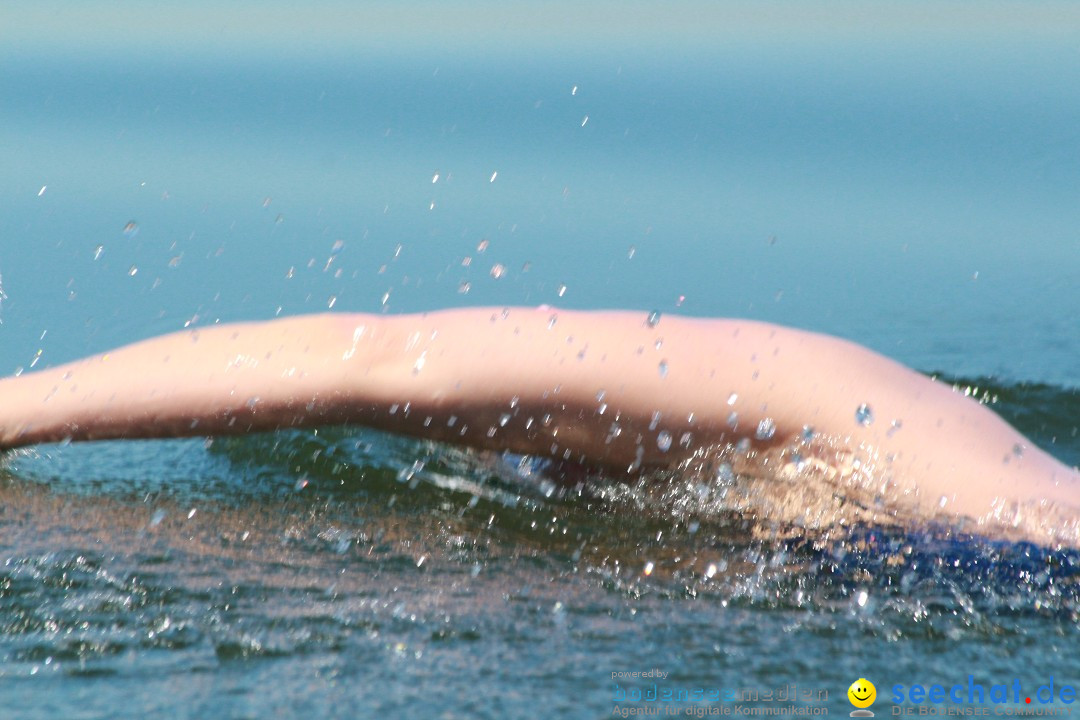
x: 738, y: 523
x: 363, y: 550
x: 810, y: 488
x: 778, y: 527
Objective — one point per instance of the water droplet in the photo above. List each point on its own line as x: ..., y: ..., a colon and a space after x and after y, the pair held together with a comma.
x: 733, y: 420
x: 435, y: 178
x: 301, y: 483
x: 862, y: 598
x: 864, y: 415
x: 894, y: 427
x: 663, y: 441
x: 710, y: 571
x: 503, y: 419
x: 807, y: 433
x: 585, y: 121
x: 133, y: 271
x: 463, y: 288
x: 498, y: 270
x: 562, y: 290
x: 631, y: 252
x: 663, y: 367
x: 732, y: 398
x: 649, y: 566
x: 98, y: 251
x: 482, y: 246
x: 552, y: 320
x: 494, y: 175
x: 655, y: 420
x: 331, y: 302
x: 765, y: 429
x: 1018, y: 450
x: 157, y: 518
x: 653, y: 319
x: 131, y: 229
x: 685, y: 439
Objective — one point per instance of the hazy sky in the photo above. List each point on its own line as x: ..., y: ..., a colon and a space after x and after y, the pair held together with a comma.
x: 485, y: 26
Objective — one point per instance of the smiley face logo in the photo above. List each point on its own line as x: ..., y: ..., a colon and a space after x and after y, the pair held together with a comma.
x: 862, y: 693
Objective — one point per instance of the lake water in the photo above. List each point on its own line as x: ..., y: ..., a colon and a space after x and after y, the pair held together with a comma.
x: 903, y: 175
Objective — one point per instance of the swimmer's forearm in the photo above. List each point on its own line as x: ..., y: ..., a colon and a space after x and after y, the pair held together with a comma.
x: 453, y: 376
x: 475, y: 377
x: 215, y: 380
x: 590, y: 387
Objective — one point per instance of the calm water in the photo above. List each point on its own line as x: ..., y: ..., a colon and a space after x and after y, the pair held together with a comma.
x: 903, y: 176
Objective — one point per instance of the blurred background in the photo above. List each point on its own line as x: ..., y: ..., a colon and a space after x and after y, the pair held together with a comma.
x: 906, y: 174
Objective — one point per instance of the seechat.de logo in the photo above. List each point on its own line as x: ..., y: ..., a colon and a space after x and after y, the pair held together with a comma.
x: 862, y: 694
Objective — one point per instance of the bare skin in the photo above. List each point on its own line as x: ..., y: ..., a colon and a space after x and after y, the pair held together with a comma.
x: 605, y: 388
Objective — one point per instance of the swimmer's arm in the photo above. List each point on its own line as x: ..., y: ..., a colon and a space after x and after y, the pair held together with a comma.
x: 513, y: 380
x: 603, y: 388
x: 449, y: 376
